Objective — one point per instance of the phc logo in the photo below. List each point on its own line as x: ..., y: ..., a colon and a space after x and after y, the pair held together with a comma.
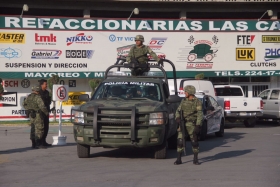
x: 45, y: 54
x: 156, y: 43
x: 272, y: 54
x: 10, y: 53
x: 80, y: 38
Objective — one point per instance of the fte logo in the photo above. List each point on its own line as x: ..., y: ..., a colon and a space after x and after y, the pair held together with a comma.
x: 245, y: 54
x: 79, y: 39
x: 10, y: 53
x: 272, y: 54
x: 14, y: 38
x: 79, y: 54
x: 45, y: 40
x: 157, y: 43
x: 45, y: 54
x: 245, y: 39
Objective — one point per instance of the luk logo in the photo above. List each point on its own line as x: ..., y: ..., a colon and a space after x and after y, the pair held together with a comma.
x: 14, y: 38
x: 245, y: 39
x: 45, y: 54
x: 245, y: 54
x: 79, y: 39
x: 272, y: 54
x: 157, y: 43
x: 79, y: 53
x: 270, y: 38
x: 45, y: 40
x: 10, y: 53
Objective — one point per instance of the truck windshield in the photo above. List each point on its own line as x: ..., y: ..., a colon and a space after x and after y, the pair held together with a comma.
x: 128, y: 91
x: 229, y: 92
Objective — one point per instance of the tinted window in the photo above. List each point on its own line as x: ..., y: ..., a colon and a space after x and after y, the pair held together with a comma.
x: 274, y: 95
x: 128, y: 90
x: 264, y: 94
x: 213, y: 102
x: 229, y: 92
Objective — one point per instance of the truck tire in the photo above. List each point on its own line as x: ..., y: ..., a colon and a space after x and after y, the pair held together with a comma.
x: 203, y: 132
x: 160, y: 151
x: 172, y: 141
x: 249, y: 122
x: 83, y: 151
x: 220, y: 133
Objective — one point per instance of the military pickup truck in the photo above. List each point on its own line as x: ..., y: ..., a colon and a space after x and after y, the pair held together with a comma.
x: 128, y: 111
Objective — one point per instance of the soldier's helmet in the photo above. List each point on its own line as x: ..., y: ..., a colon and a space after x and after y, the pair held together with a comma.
x: 139, y: 37
x: 36, y: 88
x: 190, y: 89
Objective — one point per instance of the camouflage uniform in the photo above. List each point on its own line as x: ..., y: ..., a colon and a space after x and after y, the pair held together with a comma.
x: 139, y: 54
x: 34, y: 102
x: 194, y: 107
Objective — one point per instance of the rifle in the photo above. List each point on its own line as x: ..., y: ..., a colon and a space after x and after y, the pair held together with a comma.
x: 183, y: 129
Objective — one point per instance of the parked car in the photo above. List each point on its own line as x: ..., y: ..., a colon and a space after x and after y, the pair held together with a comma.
x: 214, y: 120
x: 237, y: 106
x: 271, y: 103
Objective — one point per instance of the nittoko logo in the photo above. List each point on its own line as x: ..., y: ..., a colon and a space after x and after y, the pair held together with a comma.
x: 79, y: 39
x: 45, y: 54
x: 45, y: 40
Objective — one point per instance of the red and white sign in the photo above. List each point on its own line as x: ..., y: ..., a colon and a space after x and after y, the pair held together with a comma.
x: 60, y: 92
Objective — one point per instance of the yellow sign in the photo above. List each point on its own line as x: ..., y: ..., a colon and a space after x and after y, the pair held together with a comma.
x: 73, y: 99
x: 270, y: 38
x: 14, y: 38
x: 245, y: 54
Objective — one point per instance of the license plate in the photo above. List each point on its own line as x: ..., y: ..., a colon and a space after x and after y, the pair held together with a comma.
x: 243, y: 113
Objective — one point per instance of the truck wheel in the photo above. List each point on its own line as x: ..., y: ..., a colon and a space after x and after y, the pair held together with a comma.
x: 203, y: 132
x: 249, y: 122
x: 160, y: 151
x: 220, y: 133
x: 172, y: 141
x: 83, y: 151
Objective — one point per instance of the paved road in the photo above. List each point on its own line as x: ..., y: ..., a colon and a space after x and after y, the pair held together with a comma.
x: 245, y: 157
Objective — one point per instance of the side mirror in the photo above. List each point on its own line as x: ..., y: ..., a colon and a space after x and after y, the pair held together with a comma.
x: 84, y: 97
x: 173, y: 99
x: 210, y: 108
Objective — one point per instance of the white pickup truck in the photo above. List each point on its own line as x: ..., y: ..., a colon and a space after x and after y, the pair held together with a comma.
x: 237, y: 106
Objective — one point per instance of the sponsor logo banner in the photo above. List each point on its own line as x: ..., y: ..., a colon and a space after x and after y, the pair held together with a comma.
x: 45, y: 54
x: 12, y: 38
x: 80, y: 38
x: 270, y: 38
x: 272, y: 54
x: 45, y: 39
x: 9, y: 99
x: 10, y: 53
x: 245, y: 40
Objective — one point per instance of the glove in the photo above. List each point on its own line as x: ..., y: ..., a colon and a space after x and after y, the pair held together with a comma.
x: 160, y: 62
x: 197, y: 129
x: 178, y: 120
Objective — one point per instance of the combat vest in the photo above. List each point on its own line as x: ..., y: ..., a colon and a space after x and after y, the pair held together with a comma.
x: 30, y: 102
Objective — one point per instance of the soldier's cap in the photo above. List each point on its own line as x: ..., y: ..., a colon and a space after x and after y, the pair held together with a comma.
x: 36, y: 88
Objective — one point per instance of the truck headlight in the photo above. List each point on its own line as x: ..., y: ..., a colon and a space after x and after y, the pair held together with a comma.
x: 78, y: 117
x: 157, y: 118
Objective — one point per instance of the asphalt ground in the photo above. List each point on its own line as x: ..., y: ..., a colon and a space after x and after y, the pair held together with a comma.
x: 244, y: 157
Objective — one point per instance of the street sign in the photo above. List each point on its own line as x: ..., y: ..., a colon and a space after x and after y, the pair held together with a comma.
x: 60, y: 92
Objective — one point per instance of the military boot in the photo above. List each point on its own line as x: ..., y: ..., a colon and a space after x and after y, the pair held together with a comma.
x: 195, y: 159
x: 178, y: 161
x: 39, y: 144
x: 33, y: 143
x: 46, y: 144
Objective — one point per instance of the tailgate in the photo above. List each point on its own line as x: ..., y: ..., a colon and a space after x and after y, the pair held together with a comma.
x: 244, y: 104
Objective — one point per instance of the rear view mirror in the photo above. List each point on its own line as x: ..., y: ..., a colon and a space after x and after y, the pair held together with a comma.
x: 173, y: 99
x: 84, y: 97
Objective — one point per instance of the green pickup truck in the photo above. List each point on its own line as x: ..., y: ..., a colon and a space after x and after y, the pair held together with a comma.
x: 128, y: 111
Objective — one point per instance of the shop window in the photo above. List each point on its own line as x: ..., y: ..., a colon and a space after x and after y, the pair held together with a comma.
x: 260, y: 79
x: 257, y: 89
x: 239, y: 79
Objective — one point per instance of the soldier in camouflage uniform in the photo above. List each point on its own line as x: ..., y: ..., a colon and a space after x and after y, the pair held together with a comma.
x: 192, y: 110
x: 138, y: 53
x: 35, y: 107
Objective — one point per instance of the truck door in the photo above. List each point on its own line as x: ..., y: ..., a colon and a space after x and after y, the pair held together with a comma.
x: 209, y: 114
x: 264, y: 96
x: 272, y: 104
x: 217, y: 114
x: 171, y: 112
